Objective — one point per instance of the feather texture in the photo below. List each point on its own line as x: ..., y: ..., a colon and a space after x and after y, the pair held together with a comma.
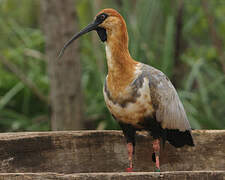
x: 150, y: 102
x: 168, y: 107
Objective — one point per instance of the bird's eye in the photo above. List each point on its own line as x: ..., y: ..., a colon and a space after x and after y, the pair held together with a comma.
x: 102, y: 16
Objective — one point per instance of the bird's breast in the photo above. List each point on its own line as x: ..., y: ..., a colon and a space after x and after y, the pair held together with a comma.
x: 132, y: 104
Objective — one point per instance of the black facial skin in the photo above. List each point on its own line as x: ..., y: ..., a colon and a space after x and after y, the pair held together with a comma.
x: 92, y: 26
x: 101, y: 17
x: 102, y: 34
x: 101, y: 31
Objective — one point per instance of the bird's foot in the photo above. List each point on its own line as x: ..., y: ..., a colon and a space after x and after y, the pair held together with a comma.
x: 129, y: 170
x: 157, y: 170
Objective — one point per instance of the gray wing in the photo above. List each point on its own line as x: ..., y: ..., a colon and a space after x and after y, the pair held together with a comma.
x: 169, y: 109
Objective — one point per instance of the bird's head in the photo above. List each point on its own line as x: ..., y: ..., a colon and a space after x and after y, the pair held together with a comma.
x: 108, y: 23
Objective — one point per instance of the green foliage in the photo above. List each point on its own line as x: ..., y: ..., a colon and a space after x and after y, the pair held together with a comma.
x: 152, y: 31
x: 20, y: 109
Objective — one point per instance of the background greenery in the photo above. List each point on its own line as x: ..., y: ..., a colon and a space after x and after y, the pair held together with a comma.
x: 197, y: 72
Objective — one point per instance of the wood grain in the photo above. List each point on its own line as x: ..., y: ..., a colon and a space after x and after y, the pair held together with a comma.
x: 179, y: 175
x: 105, y: 151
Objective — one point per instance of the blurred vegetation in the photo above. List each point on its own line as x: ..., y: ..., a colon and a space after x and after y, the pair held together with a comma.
x: 173, y: 37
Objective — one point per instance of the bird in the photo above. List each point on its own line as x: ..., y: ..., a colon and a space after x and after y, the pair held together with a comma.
x: 139, y: 96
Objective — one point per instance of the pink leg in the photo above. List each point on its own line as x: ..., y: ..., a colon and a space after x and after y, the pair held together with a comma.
x: 156, y: 148
x: 130, y: 149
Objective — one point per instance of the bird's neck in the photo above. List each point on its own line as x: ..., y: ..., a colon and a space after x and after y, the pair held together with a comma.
x: 121, y: 66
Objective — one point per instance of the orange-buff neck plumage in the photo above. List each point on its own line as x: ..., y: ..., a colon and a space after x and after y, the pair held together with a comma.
x: 121, y: 66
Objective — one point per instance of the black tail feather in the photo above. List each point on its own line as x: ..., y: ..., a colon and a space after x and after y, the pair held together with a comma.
x: 179, y: 138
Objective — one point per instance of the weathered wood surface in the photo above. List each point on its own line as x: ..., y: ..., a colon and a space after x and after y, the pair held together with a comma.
x: 178, y: 175
x: 105, y: 151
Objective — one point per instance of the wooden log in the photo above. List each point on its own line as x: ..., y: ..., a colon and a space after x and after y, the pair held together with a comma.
x: 178, y: 175
x: 105, y: 151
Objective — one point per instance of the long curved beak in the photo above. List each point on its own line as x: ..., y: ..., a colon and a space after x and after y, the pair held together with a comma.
x: 90, y: 27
